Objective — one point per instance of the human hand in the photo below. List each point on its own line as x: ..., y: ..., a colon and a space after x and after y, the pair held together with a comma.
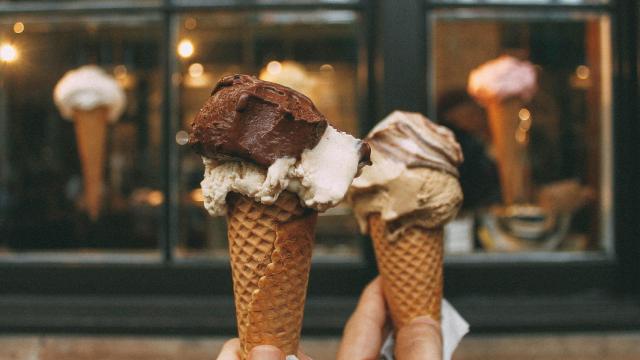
x: 367, y: 328
x: 231, y: 351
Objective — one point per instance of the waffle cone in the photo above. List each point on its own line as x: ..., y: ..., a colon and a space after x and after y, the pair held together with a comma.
x: 91, y: 136
x: 411, y: 270
x: 270, y: 249
x: 511, y: 155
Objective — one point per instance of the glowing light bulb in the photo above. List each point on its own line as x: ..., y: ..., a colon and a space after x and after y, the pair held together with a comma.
x: 196, y: 70
x: 18, y: 27
x: 274, y: 67
x: 583, y: 72
x: 185, y: 48
x: 524, y: 114
x: 182, y: 137
x: 326, y: 68
x: 190, y: 23
x: 8, y: 53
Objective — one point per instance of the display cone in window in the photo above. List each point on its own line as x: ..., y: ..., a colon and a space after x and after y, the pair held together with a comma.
x: 271, y: 164
x: 91, y: 136
x: 503, y: 86
x: 403, y: 201
x: 91, y: 99
x: 510, y: 137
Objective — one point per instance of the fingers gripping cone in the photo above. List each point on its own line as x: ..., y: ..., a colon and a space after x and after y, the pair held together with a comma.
x: 91, y: 134
x: 411, y: 270
x: 510, y: 151
x: 270, y: 249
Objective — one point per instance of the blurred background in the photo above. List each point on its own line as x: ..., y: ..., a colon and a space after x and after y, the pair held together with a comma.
x: 560, y: 264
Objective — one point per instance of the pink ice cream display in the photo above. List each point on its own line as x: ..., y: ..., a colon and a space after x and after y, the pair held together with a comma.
x: 503, y: 78
x: 503, y: 86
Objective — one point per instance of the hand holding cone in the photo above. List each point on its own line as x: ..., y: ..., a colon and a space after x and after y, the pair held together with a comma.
x: 403, y: 202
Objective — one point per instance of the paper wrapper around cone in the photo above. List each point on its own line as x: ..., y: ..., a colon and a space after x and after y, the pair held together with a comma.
x: 91, y: 135
x: 512, y: 156
x: 411, y: 270
x: 270, y: 248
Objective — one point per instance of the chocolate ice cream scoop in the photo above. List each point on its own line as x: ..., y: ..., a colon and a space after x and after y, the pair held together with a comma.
x: 257, y: 121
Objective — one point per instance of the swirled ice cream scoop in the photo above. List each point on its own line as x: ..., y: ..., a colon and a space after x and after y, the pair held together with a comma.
x: 87, y: 88
x: 414, y: 176
x: 259, y: 138
x: 502, y: 78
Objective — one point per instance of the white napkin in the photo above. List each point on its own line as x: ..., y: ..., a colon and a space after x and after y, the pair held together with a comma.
x: 454, y: 327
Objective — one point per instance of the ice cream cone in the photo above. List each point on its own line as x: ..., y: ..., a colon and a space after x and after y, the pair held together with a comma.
x: 510, y: 150
x: 411, y: 270
x: 91, y: 135
x: 270, y: 249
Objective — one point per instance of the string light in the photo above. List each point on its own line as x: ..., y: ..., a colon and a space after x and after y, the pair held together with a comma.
x: 583, y: 72
x: 274, y: 67
x: 8, y: 53
x: 18, y: 27
x: 196, y: 70
x: 185, y: 48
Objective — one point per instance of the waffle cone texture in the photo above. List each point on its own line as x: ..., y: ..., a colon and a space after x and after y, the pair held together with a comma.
x: 411, y: 270
x: 270, y: 248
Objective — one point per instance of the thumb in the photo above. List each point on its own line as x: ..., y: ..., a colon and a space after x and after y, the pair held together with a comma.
x: 419, y: 340
x: 265, y: 352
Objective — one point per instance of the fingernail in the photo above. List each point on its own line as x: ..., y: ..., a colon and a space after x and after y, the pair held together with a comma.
x: 266, y: 352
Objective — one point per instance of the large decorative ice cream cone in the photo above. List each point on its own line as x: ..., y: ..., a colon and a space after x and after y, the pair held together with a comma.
x: 403, y: 201
x: 503, y: 86
x: 510, y: 149
x: 91, y: 99
x: 91, y: 136
x: 271, y: 164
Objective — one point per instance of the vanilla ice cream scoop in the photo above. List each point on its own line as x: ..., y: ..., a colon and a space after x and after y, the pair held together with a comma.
x: 87, y: 88
x: 414, y: 177
x: 503, y: 78
x: 259, y: 139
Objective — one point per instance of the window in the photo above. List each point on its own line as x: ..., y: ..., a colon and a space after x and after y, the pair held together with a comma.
x: 43, y: 180
x: 314, y: 52
x: 557, y: 196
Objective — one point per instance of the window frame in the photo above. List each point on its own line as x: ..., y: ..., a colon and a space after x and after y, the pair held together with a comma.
x: 183, y: 296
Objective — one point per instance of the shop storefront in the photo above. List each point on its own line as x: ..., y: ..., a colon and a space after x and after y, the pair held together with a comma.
x: 149, y: 259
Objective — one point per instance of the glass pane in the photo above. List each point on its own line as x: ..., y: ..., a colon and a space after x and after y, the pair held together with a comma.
x: 308, y: 51
x: 537, y: 173
x: 88, y: 178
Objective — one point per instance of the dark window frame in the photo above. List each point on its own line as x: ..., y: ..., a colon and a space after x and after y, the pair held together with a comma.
x: 182, y: 296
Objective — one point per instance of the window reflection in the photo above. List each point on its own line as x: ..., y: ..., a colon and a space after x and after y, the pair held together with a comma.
x: 314, y: 52
x: 548, y: 188
x: 43, y: 201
